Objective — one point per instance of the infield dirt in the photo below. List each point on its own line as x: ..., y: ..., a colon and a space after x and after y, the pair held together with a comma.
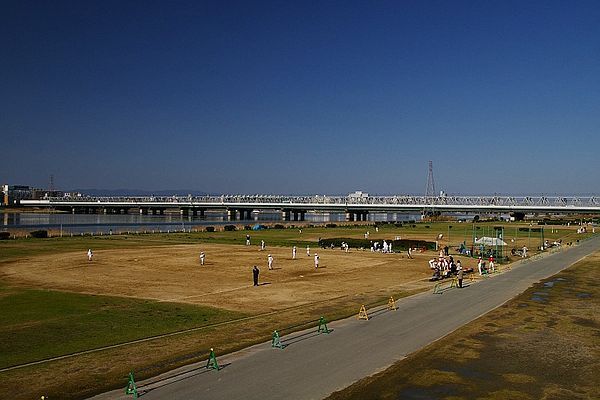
x: 174, y: 274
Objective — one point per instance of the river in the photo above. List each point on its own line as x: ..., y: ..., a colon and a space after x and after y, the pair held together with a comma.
x: 67, y: 224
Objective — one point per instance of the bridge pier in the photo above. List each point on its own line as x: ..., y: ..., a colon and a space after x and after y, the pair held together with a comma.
x: 349, y: 216
x: 299, y: 215
x: 245, y: 213
x: 231, y: 215
x: 358, y: 216
x: 285, y: 215
x: 184, y: 211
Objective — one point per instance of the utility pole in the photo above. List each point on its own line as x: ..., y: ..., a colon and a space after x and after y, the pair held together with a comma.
x: 430, y: 189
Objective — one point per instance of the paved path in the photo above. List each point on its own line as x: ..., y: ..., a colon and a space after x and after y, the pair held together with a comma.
x: 313, y: 366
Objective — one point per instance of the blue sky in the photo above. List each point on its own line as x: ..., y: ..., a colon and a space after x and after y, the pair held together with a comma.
x: 302, y: 97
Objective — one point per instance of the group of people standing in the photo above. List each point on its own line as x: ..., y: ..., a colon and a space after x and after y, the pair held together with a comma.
x: 481, y: 267
x: 385, y: 247
x: 445, y: 267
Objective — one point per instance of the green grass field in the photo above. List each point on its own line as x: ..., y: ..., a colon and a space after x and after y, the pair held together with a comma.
x: 38, y: 324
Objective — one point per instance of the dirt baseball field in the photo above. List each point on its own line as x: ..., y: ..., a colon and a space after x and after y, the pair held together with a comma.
x: 174, y: 274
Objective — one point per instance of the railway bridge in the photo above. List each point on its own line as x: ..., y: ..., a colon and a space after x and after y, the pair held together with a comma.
x: 294, y: 208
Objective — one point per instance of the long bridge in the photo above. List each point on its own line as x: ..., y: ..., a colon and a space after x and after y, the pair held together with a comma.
x: 295, y: 207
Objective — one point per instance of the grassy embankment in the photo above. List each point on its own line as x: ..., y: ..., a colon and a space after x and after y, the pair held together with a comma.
x: 37, y: 324
x: 544, y: 344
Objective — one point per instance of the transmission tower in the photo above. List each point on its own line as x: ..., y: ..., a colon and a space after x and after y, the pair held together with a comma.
x: 430, y: 189
x: 51, y: 183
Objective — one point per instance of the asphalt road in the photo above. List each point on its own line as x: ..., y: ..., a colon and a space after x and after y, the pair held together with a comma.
x: 312, y: 366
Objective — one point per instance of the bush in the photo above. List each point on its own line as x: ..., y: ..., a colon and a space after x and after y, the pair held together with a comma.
x: 209, y: 229
x: 41, y: 234
x: 4, y: 235
x: 278, y: 226
x: 247, y: 228
x: 229, y: 228
x: 330, y: 225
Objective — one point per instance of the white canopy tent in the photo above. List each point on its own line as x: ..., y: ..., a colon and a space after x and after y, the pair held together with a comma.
x: 490, y: 241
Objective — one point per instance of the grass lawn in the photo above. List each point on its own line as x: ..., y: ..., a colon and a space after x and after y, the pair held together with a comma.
x: 37, y: 324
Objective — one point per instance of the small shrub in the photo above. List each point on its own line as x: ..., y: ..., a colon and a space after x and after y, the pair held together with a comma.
x: 209, y: 229
x: 4, y: 235
x: 41, y: 234
x: 427, y: 226
x: 330, y: 225
x: 229, y: 228
x: 247, y: 228
x: 278, y: 226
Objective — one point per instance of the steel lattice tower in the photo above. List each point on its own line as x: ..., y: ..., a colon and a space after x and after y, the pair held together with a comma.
x: 430, y: 189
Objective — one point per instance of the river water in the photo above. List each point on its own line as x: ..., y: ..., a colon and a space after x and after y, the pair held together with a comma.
x: 68, y: 224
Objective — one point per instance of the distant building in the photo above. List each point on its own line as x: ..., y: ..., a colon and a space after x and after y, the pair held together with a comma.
x: 358, y: 195
x: 13, y: 194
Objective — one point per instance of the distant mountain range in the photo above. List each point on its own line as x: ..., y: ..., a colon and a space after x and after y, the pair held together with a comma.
x: 139, y: 192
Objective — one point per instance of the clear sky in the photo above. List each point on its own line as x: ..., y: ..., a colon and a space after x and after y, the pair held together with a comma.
x: 291, y: 97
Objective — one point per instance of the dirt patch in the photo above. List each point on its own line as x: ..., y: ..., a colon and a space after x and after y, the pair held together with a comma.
x: 174, y: 274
